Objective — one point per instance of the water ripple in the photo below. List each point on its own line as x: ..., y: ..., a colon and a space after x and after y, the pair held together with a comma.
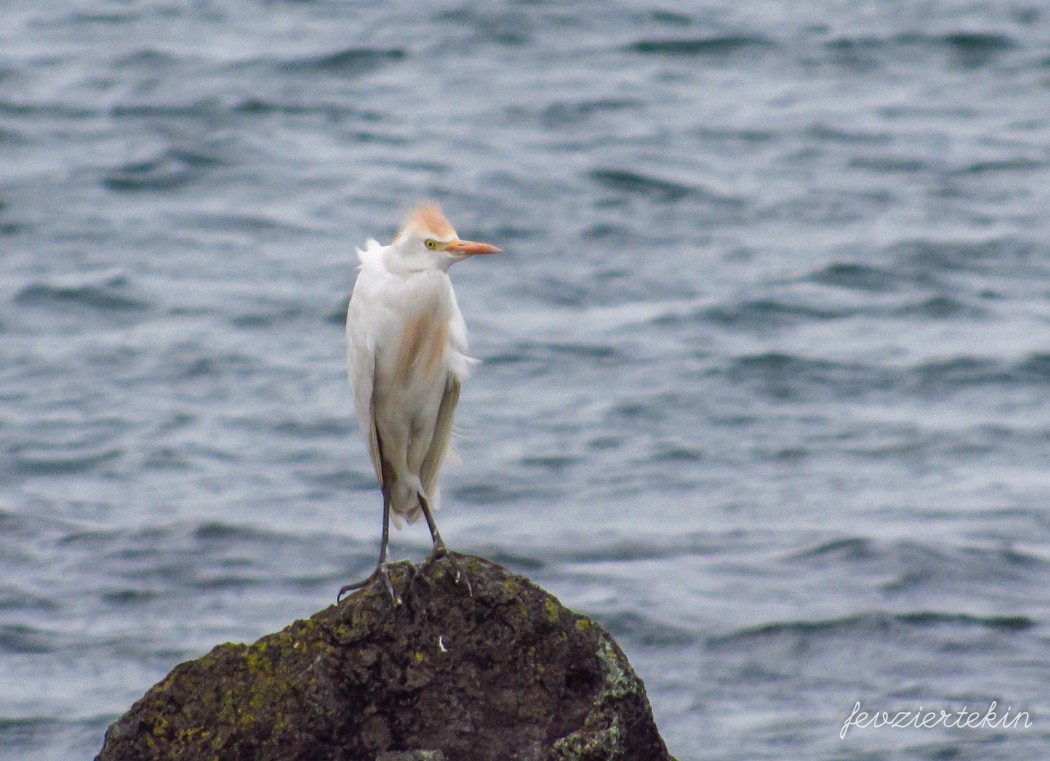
x: 108, y: 293
x: 721, y: 46
x: 347, y: 62
x: 171, y: 169
x: 656, y: 188
x: 965, y: 49
x: 23, y: 639
x: 767, y: 314
x: 873, y: 625
x: 788, y: 376
x: 861, y: 277
x: 35, y: 461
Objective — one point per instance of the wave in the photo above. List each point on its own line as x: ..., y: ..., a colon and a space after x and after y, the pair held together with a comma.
x: 973, y: 50
x: 641, y: 630
x: 150, y: 59
x: 964, y: 49
x: 511, y: 28
x: 13, y: 598
x: 176, y: 537
x: 940, y: 308
x: 210, y: 107
x: 788, y: 376
x: 11, y: 137
x: 867, y: 625
x: 943, y: 376
x: 1019, y: 164
x: 719, y: 46
x: 333, y: 111
x: 217, y: 531
x: 656, y: 188
x: 846, y: 549
x: 569, y: 113
x: 108, y: 294
x: 144, y: 564
x: 25, y: 640
x: 861, y: 277
x: 63, y: 462
x: 616, y: 548
x: 891, y: 164
x: 922, y: 274
x: 928, y: 259
x: 169, y: 170
x: 57, y: 110
x: 933, y: 571
x: 767, y: 314
x: 345, y: 62
x: 855, y: 549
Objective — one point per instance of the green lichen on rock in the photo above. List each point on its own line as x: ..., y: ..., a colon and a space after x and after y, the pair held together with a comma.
x: 497, y: 671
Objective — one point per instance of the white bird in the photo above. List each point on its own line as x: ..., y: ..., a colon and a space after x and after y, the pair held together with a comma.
x: 406, y: 349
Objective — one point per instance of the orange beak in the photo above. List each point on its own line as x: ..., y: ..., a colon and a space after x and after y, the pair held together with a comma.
x: 470, y: 248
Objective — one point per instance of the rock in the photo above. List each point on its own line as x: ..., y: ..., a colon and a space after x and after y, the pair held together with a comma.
x: 498, y: 671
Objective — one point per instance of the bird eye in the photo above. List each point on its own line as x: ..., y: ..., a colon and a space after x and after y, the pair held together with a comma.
x: 430, y: 243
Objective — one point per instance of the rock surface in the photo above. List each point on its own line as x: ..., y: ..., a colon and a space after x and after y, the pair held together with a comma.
x: 497, y: 671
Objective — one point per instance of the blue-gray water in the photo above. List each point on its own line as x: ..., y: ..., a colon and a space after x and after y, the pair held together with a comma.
x: 766, y: 380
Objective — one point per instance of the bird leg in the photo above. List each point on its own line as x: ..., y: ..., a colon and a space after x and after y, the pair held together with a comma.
x: 440, y: 549
x: 380, y: 570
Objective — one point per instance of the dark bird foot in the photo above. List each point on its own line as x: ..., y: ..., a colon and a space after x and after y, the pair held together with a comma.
x: 379, y: 573
x: 442, y: 552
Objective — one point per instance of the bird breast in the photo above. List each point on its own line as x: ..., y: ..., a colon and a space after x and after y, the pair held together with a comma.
x: 403, y: 335
x: 421, y: 351
x: 414, y: 331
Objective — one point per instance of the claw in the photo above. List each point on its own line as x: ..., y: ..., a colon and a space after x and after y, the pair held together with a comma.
x: 379, y: 572
x: 442, y: 552
x: 461, y: 574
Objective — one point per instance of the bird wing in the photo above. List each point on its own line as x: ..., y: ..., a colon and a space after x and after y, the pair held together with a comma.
x: 362, y: 374
x: 439, y: 443
x: 373, y: 439
x: 361, y: 355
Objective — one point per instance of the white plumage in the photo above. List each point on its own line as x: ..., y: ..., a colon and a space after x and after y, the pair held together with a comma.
x: 407, y: 356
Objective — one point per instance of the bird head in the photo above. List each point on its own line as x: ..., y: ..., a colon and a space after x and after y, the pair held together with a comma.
x: 428, y: 241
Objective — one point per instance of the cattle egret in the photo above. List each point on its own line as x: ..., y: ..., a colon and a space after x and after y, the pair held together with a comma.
x: 406, y: 349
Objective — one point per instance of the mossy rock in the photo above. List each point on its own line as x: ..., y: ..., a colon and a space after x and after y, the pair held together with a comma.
x: 499, y: 670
